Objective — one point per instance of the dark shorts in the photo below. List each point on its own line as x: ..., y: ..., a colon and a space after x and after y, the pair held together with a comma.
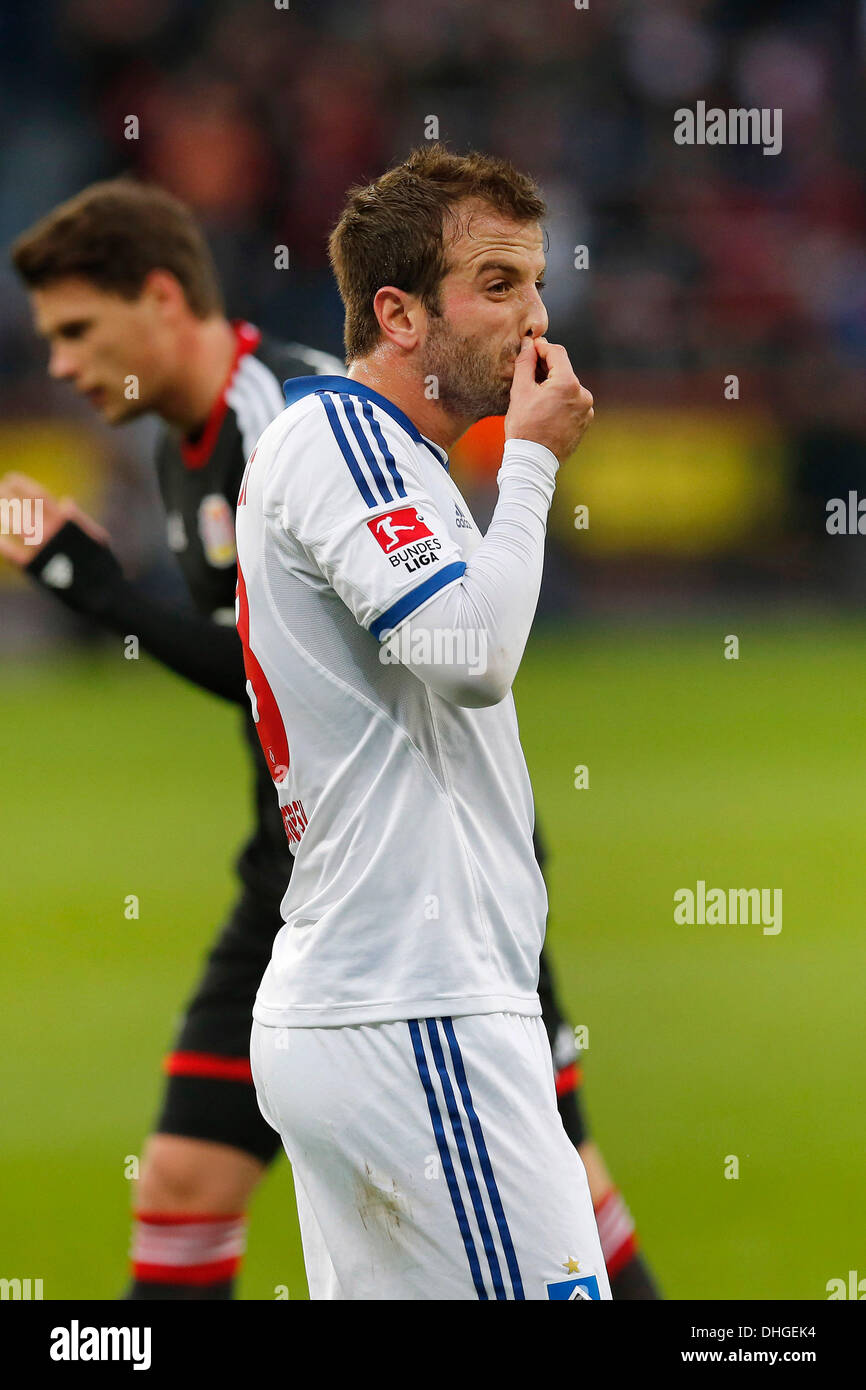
x: 210, y: 1093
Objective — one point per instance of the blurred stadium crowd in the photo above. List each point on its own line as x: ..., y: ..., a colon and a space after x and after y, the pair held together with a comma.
x: 702, y: 261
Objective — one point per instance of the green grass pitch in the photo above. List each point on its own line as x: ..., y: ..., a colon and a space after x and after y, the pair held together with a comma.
x: 704, y: 1041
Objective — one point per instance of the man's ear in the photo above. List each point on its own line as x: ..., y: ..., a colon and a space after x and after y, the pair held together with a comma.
x: 399, y: 316
x: 164, y: 290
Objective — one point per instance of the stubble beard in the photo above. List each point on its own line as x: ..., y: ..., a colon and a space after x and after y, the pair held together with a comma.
x: 468, y: 376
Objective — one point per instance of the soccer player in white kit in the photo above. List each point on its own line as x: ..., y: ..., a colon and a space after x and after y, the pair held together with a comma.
x: 397, y: 1043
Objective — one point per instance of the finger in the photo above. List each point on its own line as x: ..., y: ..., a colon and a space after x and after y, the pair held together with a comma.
x: 524, y: 363
x: 20, y: 489
x: 24, y: 486
x: 557, y: 367
x: 14, y: 553
x: 13, y: 485
x: 72, y: 512
x: 554, y: 357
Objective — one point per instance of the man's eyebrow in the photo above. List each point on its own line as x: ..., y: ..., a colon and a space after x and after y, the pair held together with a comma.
x: 505, y: 268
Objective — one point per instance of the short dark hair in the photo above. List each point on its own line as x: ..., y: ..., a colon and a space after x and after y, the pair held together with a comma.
x: 113, y: 234
x: 392, y: 231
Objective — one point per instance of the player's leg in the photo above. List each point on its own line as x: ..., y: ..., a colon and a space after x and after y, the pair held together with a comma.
x: 190, y: 1224
x: 433, y: 1158
x: 630, y: 1278
x: 211, y: 1145
x: 179, y: 1174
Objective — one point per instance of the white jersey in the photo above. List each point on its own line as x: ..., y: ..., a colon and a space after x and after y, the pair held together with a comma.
x: 415, y: 889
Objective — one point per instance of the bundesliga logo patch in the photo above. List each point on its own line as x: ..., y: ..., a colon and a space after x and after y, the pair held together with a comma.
x: 399, y: 528
x: 575, y: 1290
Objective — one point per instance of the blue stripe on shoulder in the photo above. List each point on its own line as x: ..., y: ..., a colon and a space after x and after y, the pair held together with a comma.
x: 380, y: 440
x: 346, y: 451
x: 297, y: 387
x: 372, y: 462
x: 409, y: 602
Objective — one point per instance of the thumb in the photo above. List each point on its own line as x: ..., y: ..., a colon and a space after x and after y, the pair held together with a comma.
x: 70, y: 511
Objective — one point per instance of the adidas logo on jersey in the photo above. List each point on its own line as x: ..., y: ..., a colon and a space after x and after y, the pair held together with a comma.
x: 462, y: 520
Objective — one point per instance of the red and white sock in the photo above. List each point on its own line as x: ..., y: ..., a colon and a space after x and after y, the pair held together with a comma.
x: 616, y: 1232
x: 174, y: 1248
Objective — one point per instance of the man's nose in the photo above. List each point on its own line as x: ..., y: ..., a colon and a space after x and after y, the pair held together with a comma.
x: 536, y: 318
x: 60, y: 364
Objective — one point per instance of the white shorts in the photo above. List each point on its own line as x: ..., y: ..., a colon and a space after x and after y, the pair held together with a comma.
x: 430, y: 1161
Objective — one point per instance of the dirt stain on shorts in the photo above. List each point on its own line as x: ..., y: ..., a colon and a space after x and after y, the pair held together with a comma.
x: 381, y: 1205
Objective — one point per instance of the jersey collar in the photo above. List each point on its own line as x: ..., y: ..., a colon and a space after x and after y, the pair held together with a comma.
x: 299, y: 386
x: 196, y: 453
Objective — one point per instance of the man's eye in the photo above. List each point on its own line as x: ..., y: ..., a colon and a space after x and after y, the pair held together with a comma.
x: 539, y: 285
x: 500, y: 285
x: 73, y: 330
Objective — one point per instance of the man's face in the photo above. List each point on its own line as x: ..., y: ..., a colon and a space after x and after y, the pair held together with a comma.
x: 112, y: 350
x: 490, y: 300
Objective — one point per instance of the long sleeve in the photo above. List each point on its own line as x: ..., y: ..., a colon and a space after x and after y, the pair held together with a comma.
x: 86, y: 577
x: 467, y: 641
